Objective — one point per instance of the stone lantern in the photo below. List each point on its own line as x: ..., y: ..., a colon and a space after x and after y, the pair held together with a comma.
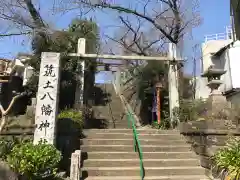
x: 219, y: 106
x: 213, y: 75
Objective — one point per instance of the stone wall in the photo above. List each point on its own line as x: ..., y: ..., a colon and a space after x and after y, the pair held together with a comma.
x: 206, y: 137
x: 6, y: 173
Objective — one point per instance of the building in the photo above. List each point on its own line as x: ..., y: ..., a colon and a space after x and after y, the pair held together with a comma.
x: 13, y: 75
x: 4, y: 64
x: 235, y: 16
x: 222, y: 52
x: 15, y: 67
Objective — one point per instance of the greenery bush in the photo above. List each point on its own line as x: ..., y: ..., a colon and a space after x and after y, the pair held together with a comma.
x: 191, y: 110
x: 6, y: 146
x: 165, y: 122
x: 34, y: 161
x: 201, y: 110
x: 163, y: 125
x: 75, y: 115
x: 228, y: 158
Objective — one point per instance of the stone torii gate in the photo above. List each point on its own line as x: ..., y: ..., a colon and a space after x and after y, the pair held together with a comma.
x: 48, y: 88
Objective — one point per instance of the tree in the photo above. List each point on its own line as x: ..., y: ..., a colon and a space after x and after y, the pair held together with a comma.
x: 5, y: 112
x: 165, y: 20
x: 88, y: 30
x: 66, y: 42
x: 21, y: 17
x: 145, y: 27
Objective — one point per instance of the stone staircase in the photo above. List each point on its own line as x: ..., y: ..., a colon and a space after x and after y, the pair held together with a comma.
x: 111, y: 113
x: 108, y: 154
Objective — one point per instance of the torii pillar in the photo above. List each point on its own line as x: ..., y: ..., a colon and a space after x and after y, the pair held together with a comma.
x: 173, y: 84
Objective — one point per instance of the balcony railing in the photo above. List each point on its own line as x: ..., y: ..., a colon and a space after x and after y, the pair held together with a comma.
x: 220, y: 36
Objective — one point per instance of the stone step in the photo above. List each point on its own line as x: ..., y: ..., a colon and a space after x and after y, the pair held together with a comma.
x: 147, y: 136
x: 115, y: 125
x: 140, y: 131
x: 135, y: 171
x: 118, y: 122
x: 114, y: 105
x: 171, y: 177
x: 116, y: 108
x: 111, y: 126
x: 109, y: 118
x: 130, y: 142
x: 129, y: 148
x: 133, y: 155
x: 130, y: 136
x: 108, y: 113
x: 135, y: 162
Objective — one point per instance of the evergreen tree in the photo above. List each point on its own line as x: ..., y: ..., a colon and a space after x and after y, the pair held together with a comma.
x: 66, y: 42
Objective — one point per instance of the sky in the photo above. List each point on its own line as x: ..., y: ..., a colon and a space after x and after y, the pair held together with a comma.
x: 216, y: 16
x: 214, y: 13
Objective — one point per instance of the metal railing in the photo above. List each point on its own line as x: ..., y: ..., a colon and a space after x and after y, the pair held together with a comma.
x: 131, y: 124
x: 137, y: 145
x: 228, y: 34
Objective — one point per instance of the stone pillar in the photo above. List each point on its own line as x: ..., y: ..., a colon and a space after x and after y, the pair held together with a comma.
x: 80, y: 85
x: 47, y: 97
x: 75, y: 171
x: 117, y: 81
x: 173, y: 80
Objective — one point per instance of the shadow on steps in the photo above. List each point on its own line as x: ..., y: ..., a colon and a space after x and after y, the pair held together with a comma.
x: 107, y: 110
x: 68, y: 135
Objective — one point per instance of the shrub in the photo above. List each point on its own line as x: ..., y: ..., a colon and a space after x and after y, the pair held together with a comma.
x: 201, y: 110
x: 34, y: 161
x: 6, y: 146
x: 75, y: 115
x: 165, y: 124
x: 162, y: 125
x: 191, y: 110
x: 228, y: 158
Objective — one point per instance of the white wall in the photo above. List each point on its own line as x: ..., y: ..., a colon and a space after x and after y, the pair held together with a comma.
x: 228, y: 61
x: 202, y: 90
x: 28, y: 72
x: 211, y: 47
x: 234, y: 55
x: 223, y: 63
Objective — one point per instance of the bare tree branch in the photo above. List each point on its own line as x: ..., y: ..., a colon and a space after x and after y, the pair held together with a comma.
x: 147, y: 25
x: 133, y: 12
x: 20, y: 17
x: 4, y: 112
x: 15, y: 34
